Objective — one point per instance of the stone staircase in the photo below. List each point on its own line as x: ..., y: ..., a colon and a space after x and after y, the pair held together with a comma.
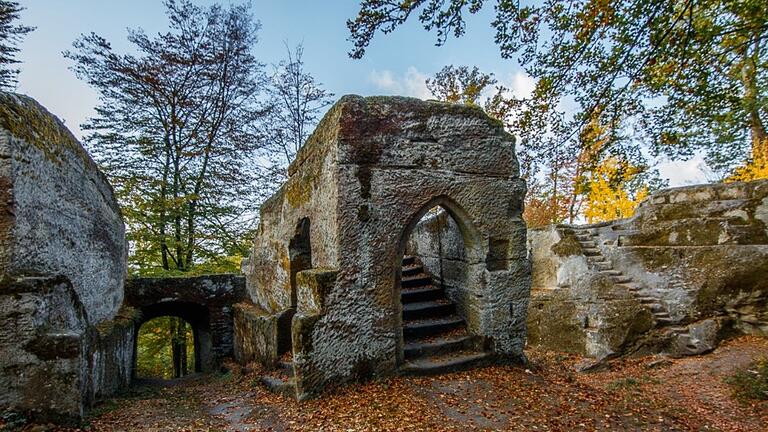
x: 598, y: 262
x: 435, y: 337
x: 280, y: 380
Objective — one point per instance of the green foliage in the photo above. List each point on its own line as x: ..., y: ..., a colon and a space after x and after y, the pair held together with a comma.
x: 459, y: 84
x: 10, y: 36
x: 177, y: 133
x: 752, y: 382
x: 679, y: 76
x: 154, y: 356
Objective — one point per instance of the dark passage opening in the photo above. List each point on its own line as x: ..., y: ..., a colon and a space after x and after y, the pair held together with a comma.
x: 173, y: 339
x: 300, y: 257
x: 431, y: 287
x: 165, y: 349
x: 300, y: 251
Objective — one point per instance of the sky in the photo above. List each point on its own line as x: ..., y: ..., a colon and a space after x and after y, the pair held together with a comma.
x: 397, y: 63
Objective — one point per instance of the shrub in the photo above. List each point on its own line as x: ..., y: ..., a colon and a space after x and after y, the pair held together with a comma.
x: 752, y: 382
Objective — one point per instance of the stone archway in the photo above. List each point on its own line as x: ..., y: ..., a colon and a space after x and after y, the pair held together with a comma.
x: 431, y: 299
x: 368, y: 173
x: 205, y: 302
x: 196, y: 315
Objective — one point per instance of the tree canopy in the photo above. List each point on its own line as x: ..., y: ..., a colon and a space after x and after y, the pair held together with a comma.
x: 680, y: 75
x: 176, y: 131
x: 10, y: 36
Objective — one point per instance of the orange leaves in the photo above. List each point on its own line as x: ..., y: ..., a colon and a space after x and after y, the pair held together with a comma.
x: 631, y: 394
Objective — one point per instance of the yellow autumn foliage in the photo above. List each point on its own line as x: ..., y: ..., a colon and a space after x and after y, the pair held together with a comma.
x: 755, y: 169
x: 607, y: 199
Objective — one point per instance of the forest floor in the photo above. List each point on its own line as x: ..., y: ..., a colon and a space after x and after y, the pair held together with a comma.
x: 648, y: 393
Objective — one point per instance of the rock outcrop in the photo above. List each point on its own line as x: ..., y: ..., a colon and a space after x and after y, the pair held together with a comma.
x: 64, y: 340
x: 687, y: 270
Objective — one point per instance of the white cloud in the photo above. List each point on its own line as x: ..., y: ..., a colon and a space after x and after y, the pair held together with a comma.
x: 682, y: 173
x: 520, y: 84
x: 411, y: 83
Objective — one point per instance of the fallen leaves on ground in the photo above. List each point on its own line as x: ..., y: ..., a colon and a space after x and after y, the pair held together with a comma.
x: 548, y: 395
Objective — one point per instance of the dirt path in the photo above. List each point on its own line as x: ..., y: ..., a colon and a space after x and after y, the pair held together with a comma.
x: 633, y: 394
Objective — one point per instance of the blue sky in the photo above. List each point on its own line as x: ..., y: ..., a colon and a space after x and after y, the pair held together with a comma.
x: 396, y: 63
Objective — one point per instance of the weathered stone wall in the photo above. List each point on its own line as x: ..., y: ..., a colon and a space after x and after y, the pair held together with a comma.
x: 573, y: 307
x: 371, y: 170
x: 62, y: 267
x: 309, y: 192
x: 59, y: 213
x: 205, y: 302
x: 698, y: 254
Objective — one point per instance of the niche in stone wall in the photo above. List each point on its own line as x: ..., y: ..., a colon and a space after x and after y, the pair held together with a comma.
x: 497, y: 254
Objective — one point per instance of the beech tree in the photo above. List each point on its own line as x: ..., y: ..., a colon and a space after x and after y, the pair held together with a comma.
x: 691, y: 75
x: 297, y: 102
x: 174, y: 131
x: 11, y: 35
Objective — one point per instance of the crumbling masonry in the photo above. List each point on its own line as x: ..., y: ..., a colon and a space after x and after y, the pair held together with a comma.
x: 325, y: 272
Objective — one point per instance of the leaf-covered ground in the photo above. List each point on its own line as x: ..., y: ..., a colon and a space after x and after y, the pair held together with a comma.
x: 649, y: 393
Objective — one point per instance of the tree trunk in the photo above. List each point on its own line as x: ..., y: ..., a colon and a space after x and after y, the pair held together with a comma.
x: 178, y: 329
x: 175, y: 355
x: 758, y: 135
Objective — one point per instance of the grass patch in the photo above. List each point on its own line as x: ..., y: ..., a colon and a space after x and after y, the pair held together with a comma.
x: 751, y: 383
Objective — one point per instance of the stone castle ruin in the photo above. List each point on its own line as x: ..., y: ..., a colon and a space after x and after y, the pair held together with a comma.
x: 326, y: 271
x: 397, y: 245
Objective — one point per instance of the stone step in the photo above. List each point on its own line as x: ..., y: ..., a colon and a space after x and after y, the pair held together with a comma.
x: 420, y: 280
x: 430, y: 327
x: 591, y: 252
x: 280, y: 385
x: 663, y: 320
x: 588, y: 243
x: 647, y: 300
x: 437, y: 346
x: 415, y: 295
x: 621, y: 279
x: 613, y: 273
x: 584, y: 237
x: 657, y: 307
x: 631, y: 286
x: 444, y: 364
x: 597, y: 259
x: 604, y: 266
x: 409, y: 260
x: 412, y: 270
x: 427, y: 309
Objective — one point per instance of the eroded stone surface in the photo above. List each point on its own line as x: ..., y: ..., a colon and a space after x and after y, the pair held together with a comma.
x: 363, y: 180
x: 64, y: 341
x: 698, y: 254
